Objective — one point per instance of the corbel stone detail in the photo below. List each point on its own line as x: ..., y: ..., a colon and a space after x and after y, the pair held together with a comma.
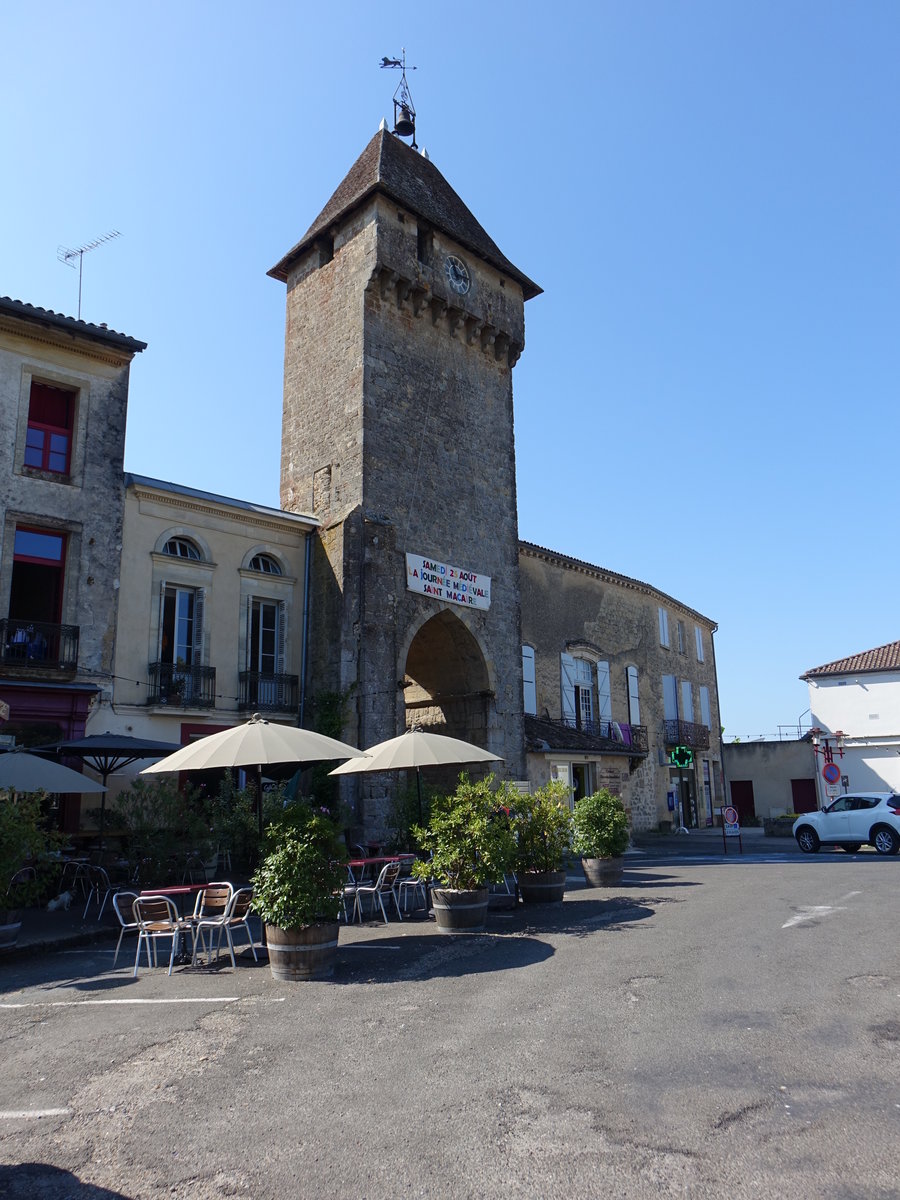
x: 415, y: 294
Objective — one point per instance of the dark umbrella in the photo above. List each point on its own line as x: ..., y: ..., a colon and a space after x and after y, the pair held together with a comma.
x: 109, y: 752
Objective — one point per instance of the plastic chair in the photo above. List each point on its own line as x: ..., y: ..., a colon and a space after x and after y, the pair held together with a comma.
x: 384, y: 885
x: 123, y: 907
x: 157, y: 917
x: 210, y: 913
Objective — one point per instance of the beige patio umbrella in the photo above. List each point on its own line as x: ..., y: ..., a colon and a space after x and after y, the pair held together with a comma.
x: 413, y: 750
x: 256, y: 743
x: 23, y: 772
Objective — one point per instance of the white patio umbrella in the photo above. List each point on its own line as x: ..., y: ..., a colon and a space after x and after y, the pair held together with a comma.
x: 256, y: 743
x: 413, y: 750
x: 23, y: 772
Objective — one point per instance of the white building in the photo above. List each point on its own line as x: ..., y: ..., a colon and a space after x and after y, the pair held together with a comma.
x: 855, y: 705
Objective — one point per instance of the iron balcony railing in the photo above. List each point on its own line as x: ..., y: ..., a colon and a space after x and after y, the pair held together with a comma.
x: 38, y: 645
x: 182, y: 686
x: 610, y: 735
x: 686, y: 733
x: 261, y: 691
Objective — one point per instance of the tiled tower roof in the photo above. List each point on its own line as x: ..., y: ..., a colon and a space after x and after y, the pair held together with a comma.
x: 390, y: 166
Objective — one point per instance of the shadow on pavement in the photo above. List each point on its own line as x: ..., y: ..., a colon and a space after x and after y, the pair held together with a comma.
x: 40, y: 1181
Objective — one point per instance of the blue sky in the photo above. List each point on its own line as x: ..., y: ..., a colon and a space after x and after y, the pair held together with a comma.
x: 707, y: 192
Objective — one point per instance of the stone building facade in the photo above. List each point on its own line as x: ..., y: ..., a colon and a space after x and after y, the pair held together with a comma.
x: 619, y: 690
x: 211, y: 623
x: 63, y: 402
x: 404, y: 322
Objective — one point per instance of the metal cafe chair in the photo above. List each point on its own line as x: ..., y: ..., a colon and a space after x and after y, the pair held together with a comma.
x: 409, y: 886
x: 236, y: 918
x: 210, y: 913
x: 98, y: 881
x: 384, y: 885
x: 123, y: 907
x: 157, y: 917
x: 348, y: 895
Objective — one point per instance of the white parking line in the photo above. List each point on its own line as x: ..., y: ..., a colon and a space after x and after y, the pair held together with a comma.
x: 80, y: 1003
x: 33, y: 1114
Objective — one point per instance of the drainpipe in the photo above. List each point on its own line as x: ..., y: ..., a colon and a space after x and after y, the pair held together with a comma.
x: 305, y: 647
x: 712, y: 643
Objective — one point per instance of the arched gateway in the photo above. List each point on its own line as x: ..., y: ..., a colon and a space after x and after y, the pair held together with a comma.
x: 446, y: 686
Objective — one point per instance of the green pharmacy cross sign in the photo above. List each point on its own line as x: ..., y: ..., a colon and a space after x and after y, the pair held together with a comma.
x: 681, y: 756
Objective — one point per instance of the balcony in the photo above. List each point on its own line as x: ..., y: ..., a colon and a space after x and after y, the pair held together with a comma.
x: 686, y: 733
x: 182, y: 686
x: 28, y: 647
x: 589, y: 737
x: 261, y: 691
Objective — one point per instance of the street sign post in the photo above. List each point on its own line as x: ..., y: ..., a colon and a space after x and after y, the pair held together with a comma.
x: 731, y: 827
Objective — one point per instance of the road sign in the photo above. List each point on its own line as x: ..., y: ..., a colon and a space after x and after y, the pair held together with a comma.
x: 831, y: 773
x: 832, y: 790
x: 730, y: 815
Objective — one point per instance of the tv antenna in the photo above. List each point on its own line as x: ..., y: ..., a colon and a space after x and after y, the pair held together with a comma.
x: 404, y: 112
x: 68, y: 256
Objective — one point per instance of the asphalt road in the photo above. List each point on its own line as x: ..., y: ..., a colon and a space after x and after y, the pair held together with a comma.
x: 705, y: 1030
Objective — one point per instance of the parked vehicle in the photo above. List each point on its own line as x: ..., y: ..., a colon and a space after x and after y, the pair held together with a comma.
x: 850, y: 821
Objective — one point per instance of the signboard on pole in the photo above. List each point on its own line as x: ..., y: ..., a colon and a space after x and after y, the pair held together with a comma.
x: 731, y: 827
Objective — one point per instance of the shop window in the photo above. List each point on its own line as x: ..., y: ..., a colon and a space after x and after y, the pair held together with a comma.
x: 48, y: 439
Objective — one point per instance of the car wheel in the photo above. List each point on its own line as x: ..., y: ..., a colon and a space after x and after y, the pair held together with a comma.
x: 808, y: 840
x: 850, y: 847
x: 885, y: 840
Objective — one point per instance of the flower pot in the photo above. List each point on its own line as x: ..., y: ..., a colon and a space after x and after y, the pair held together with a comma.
x: 306, y: 953
x: 459, y: 911
x: 542, y: 887
x: 10, y: 924
x: 603, y: 872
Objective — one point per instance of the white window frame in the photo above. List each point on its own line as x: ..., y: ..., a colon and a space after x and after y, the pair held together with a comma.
x: 698, y: 638
x: 663, y: 627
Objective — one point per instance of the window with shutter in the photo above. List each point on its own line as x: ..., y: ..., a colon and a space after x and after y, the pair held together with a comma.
x: 604, y: 695
x: 663, y: 627
x: 670, y: 698
x: 698, y: 637
x: 529, y: 685
x: 634, y: 704
x: 567, y: 687
x: 704, y: 707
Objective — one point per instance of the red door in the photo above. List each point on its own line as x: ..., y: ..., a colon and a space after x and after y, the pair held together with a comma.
x: 803, y: 795
x: 742, y: 799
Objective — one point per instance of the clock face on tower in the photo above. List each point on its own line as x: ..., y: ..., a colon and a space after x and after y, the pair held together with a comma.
x: 457, y: 274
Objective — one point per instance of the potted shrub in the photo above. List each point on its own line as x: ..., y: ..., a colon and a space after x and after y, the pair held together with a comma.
x: 25, y: 842
x: 601, y: 837
x: 543, y: 828
x: 470, y: 838
x: 296, y: 892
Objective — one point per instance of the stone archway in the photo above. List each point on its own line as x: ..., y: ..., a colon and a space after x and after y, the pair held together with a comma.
x: 446, y: 685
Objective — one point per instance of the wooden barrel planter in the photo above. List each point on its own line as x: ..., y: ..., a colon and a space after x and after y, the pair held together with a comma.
x: 307, y: 953
x: 542, y: 887
x: 10, y: 924
x: 603, y: 872
x: 459, y: 912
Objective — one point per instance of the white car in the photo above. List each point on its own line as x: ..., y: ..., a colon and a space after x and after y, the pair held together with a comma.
x: 872, y: 817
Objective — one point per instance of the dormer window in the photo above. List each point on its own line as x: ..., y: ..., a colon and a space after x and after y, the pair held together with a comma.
x: 265, y: 564
x: 179, y: 547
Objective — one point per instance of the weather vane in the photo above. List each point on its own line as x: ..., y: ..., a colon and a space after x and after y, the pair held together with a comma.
x: 404, y: 112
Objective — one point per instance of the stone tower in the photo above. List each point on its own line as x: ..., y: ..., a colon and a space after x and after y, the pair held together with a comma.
x: 404, y: 322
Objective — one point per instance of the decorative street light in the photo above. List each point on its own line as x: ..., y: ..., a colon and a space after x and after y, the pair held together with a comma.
x: 822, y: 744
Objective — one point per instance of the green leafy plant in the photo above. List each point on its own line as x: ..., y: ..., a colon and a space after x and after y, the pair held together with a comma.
x: 601, y: 826
x: 542, y: 821
x: 300, y: 877
x: 159, y: 821
x: 469, y: 835
x: 25, y: 841
x: 329, y: 715
x: 403, y: 814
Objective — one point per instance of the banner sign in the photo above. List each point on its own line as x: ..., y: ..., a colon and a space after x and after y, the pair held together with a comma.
x: 443, y: 582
